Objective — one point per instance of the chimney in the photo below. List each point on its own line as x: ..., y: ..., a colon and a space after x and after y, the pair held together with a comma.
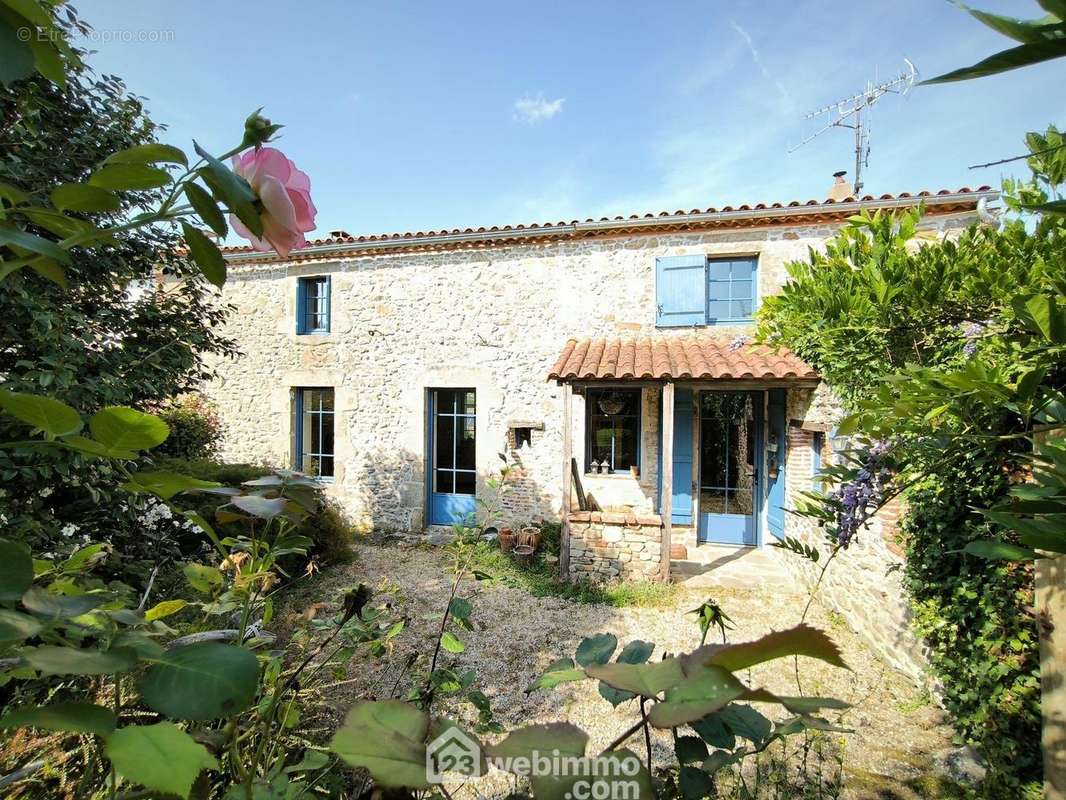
x: 841, y: 189
x: 339, y: 234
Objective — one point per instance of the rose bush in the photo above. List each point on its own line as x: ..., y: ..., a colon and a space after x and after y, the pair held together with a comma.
x: 285, y: 195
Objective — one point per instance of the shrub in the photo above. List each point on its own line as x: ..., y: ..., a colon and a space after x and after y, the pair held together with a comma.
x: 195, y: 428
x: 327, y: 527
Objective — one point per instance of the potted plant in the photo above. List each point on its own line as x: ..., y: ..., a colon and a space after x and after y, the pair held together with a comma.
x: 523, y: 554
x: 507, y: 540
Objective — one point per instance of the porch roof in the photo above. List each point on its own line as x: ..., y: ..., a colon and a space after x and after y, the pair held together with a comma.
x: 697, y: 357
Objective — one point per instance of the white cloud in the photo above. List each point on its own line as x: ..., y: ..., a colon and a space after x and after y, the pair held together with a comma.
x: 757, y: 58
x: 537, y: 109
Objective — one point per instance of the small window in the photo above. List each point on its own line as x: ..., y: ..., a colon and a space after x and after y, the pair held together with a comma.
x: 612, y: 425
x: 817, y: 444
x: 312, y: 305
x: 523, y: 437
x: 313, y: 427
x: 695, y: 290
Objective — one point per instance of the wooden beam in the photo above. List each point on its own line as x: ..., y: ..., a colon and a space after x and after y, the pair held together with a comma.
x: 666, y: 505
x: 568, y: 446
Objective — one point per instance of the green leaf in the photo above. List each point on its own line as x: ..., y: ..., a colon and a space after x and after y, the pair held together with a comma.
x: 16, y: 627
x: 50, y: 270
x: 90, y: 448
x: 202, y: 681
x: 14, y: 195
x: 83, y: 197
x: 1057, y: 8
x: 164, y: 609
x: 695, y: 783
x: 18, y: 60
x: 746, y: 722
x: 232, y: 189
x: 596, y: 649
x: 635, y: 652
x: 802, y: 640
x: 73, y: 717
x: 150, y: 153
x: 1020, y: 30
x: 713, y: 731
x: 700, y: 694
x: 16, y: 570
x: 999, y: 551
x: 525, y: 742
x: 202, y: 578
x: 388, y: 739
x: 206, y: 254
x: 51, y: 660
x: 121, y: 428
x: 643, y: 679
x: 165, y: 484
x: 558, y: 672
x: 160, y: 757
x: 44, y: 413
x: 61, y: 606
x: 129, y: 177
x: 206, y: 208
x: 1021, y: 56
x: 258, y: 506
x: 86, y: 557
x: 690, y: 749
x: 1054, y: 207
x: 460, y: 608
x: 450, y: 642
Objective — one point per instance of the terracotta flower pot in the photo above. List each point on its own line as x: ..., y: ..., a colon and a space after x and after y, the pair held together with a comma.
x: 523, y: 554
x: 530, y: 537
x: 507, y: 540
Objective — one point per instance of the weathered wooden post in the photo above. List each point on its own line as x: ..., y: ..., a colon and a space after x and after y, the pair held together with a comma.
x: 568, y: 444
x: 666, y: 505
x: 1050, y: 600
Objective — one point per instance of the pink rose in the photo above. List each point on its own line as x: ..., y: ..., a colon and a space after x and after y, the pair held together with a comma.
x: 285, y: 194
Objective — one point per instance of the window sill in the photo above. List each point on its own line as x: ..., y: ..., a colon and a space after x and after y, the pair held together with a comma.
x: 721, y: 323
x: 615, y: 476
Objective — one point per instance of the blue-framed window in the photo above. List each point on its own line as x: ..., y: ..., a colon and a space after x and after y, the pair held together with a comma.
x: 313, y: 427
x: 697, y: 290
x: 312, y: 305
x: 612, y: 430
x: 817, y: 445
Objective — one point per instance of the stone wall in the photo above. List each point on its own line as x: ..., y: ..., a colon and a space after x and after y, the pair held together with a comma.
x: 863, y: 582
x: 606, y: 546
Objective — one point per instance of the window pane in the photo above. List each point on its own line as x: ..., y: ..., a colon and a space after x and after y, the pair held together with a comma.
x: 443, y: 481
x: 326, y: 399
x: 742, y: 290
x: 625, y: 447
x: 718, y: 290
x: 326, y: 467
x: 719, y: 270
x: 314, y: 446
x: 445, y: 402
x: 613, y: 424
x: 445, y: 443
x: 467, y: 403
x: 327, y: 434
x: 465, y: 456
x: 464, y: 482
x: 718, y: 309
x: 741, y: 310
x: 744, y: 270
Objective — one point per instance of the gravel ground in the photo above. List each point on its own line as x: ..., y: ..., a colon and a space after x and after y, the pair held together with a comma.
x: 896, y: 729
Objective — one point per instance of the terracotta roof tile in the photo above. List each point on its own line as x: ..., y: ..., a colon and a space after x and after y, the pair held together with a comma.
x: 699, y: 357
x: 965, y: 199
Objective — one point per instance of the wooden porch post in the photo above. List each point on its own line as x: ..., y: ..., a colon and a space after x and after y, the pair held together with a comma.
x: 666, y: 505
x: 568, y: 446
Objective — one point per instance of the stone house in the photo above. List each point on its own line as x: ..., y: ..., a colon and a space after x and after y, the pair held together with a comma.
x: 398, y: 369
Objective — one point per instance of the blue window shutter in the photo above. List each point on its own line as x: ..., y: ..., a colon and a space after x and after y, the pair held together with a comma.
x: 682, y: 488
x: 301, y: 305
x: 775, y: 495
x: 329, y: 303
x: 298, y: 429
x: 817, y: 442
x: 680, y: 291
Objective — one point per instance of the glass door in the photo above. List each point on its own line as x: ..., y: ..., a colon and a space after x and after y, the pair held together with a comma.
x: 730, y: 455
x: 452, y: 455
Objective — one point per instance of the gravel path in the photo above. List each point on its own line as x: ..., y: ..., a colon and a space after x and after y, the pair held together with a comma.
x: 895, y: 728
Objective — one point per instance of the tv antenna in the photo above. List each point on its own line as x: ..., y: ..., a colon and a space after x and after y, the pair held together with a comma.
x: 855, y: 112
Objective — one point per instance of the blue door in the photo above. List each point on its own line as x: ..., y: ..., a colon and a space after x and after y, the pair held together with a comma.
x: 776, y: 442
x: 730, y: 461
x: 452, y: 455
x: 682, y: 479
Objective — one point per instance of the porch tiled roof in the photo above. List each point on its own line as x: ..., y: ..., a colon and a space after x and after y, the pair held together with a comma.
x: 679, y: 358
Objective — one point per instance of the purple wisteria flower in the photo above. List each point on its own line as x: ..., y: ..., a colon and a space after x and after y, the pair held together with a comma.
x: 971, y: 332
x: 859, y: 498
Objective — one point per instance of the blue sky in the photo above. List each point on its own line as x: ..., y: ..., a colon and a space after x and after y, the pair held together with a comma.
x: 418, y: 116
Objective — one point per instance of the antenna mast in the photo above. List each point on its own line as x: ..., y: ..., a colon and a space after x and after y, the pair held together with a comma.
x: 855, y: 112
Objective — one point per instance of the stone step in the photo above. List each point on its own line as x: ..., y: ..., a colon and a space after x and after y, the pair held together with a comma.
x: 732, y: 567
